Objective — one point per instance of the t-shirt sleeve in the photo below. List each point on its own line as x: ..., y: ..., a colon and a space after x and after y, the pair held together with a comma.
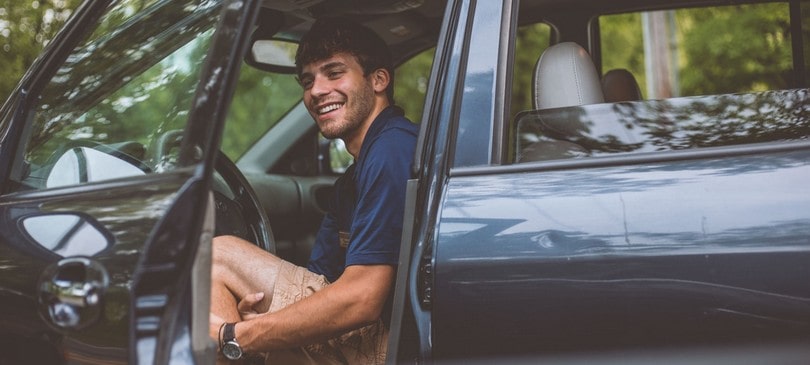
x: 326, y: 257
x: 377, y: 226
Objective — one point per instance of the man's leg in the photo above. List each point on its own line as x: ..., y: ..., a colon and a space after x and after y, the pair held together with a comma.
x: 240, y: 268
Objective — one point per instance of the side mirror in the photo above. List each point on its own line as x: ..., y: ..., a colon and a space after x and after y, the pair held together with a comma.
x: 81, y: 165
x: 333, y: 157
x: 339, y: 157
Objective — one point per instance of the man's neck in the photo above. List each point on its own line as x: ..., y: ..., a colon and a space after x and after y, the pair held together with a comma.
x: 355, y: 142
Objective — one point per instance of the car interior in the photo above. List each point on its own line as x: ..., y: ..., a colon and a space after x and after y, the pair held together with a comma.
x: 573, y: 47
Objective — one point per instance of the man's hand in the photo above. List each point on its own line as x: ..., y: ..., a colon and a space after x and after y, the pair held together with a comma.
x: 247, y: 311
x: 247, y: 306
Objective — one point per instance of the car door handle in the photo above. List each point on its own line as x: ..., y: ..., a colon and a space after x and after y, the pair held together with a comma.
x: 71, y: 292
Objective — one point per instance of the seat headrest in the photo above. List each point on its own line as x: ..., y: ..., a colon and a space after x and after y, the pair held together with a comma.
x: 620, y: 85
x: 565, y: 76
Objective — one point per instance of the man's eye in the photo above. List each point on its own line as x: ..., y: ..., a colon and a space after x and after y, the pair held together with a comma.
x: 334, y: 74
x: 306, y: 84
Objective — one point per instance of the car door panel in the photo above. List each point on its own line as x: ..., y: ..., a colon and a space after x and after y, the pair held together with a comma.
x: 125, y: 211
x: 660, y: 254
x: 137, y: 234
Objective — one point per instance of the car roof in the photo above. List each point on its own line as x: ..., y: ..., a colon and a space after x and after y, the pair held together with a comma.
x: 413, y: 26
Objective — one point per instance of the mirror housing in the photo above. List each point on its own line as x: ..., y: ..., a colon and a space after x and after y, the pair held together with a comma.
x: 274, y: 55
x: 270, y: 51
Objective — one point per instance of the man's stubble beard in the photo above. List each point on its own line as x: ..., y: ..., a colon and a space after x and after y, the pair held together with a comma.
x: 362, y: 103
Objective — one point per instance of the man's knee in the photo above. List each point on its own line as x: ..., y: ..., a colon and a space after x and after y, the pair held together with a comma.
x: 232, y: 253
x: 224, y: 252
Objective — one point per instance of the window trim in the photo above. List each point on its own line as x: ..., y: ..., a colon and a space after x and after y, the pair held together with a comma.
x: 636, y: 158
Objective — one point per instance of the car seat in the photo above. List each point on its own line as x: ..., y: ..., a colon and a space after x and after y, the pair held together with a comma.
x: 620, y: 85
x: 563, y: 77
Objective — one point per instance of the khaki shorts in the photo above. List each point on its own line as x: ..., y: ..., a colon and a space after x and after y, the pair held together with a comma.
x: 366, y: 345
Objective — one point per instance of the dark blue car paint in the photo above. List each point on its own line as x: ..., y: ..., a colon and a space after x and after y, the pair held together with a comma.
x: 125, y: 211
x: 680, y: 252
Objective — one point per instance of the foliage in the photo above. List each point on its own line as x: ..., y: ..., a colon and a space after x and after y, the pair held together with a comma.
x: 260, y: 101
x: 623, y: 45
x: 25, y: 28
x: 736, y: 48
x: 723, y: 49
x: 145, y: 92
x: 410, y: 84
x: 530, y: 40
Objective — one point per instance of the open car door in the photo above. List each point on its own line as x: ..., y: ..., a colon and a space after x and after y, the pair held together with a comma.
x: 107, y: 152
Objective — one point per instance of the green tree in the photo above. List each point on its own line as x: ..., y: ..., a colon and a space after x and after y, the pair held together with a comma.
x: 26, y: 27
x: 252, y: 113
x: 736, y: 48
x: 410, y: 84
x: 623, y: 45
x: 722, y: 49
x: 530, y: 41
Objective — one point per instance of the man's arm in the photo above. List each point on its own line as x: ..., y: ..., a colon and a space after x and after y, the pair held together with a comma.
x: 354, y: 300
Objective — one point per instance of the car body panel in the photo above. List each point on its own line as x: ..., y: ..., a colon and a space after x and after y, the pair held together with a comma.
x: 125, y: 212
x: 142, y: 309
x: 655, y: 251
x: 684, y: 252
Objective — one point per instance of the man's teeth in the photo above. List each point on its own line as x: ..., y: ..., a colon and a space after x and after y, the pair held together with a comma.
x: 329, y: 108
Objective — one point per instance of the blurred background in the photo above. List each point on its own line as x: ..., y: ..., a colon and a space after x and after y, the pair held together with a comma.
x: 700, y: 51
x: 26, y: 27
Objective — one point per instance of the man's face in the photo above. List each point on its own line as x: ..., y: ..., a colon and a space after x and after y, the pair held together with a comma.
x: 337, y: 94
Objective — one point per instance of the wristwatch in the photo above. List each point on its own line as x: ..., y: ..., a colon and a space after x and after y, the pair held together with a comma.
x: 230, y: 348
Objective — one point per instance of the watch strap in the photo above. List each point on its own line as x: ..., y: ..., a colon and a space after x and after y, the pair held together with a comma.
x: 229, y: 332
x: 230, y: 347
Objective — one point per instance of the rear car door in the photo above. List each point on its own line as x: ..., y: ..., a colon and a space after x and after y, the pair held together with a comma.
x: 106, y: 155
x: 680, y: 233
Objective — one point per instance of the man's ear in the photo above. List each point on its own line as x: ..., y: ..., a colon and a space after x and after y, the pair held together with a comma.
x: 380, y: 79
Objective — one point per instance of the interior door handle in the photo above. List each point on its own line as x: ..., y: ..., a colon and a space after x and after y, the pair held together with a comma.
x: 71, y: 292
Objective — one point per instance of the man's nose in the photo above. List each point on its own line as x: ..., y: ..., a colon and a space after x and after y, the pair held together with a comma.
x: 320, y: 86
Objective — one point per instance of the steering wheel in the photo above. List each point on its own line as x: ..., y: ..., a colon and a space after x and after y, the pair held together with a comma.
x: 238, y: 211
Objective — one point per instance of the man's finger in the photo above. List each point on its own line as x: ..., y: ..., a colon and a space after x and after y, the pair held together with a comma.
x: 247, y: 304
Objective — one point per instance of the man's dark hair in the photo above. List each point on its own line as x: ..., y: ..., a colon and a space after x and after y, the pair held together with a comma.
x: 329, y: 36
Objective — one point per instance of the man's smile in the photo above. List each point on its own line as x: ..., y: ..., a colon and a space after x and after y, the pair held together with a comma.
x: 329, y: 107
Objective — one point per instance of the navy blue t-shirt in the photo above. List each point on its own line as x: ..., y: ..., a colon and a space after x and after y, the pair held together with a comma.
x: 364, y: 223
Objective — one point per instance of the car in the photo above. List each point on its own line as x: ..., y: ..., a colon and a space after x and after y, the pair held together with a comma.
x: 608, y: 182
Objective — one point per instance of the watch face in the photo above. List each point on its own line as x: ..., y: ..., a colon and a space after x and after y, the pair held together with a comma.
x: 232, y: 350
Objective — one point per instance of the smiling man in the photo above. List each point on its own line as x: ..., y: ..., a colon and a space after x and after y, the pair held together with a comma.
x: 335, y: 310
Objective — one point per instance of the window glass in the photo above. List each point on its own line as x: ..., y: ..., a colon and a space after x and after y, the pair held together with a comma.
x: 805, y: 19
x: 260, y: 101
x: 710, y: 77
x: 263, y: 98
x: 118, y: 105
x: 701, y: 51
x: 662, y: 125
x: 410, y: 88
x: 530, y: 42
x: 410, y: 84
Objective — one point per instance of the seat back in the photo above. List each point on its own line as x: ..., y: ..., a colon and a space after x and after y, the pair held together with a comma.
x: 565, y: 76
x: 620, y: 85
